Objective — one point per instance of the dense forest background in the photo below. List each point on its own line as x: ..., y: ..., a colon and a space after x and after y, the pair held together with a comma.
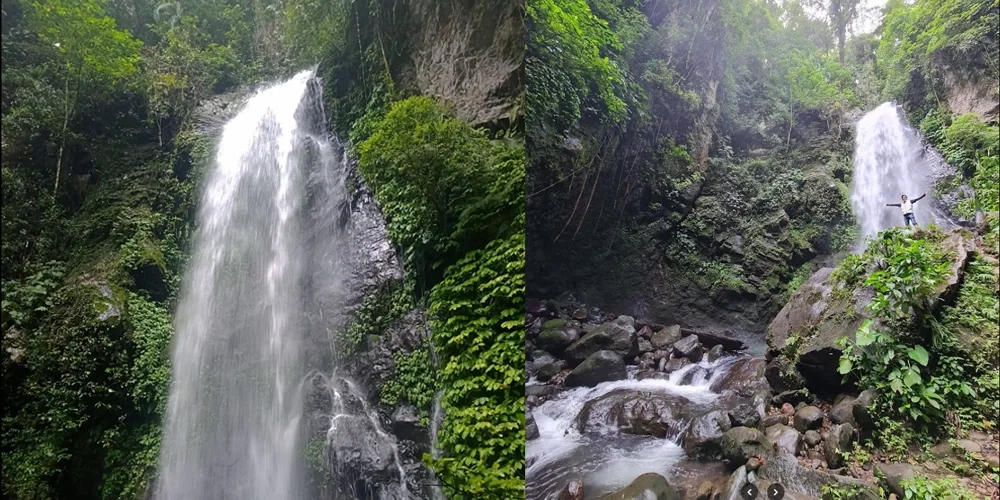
x: 104, y: 142
x: 691, y: 161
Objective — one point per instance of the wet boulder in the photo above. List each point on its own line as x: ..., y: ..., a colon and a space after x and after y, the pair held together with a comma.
x: 530, y: 427
x: 688, y: 347
x: 745, y: 377
x: 557, y: 340
x: 714, y: 353
x: 631, y: 411
x: 666, y: 337
x: 649, y: 486
x: 673, y: 364
x: 602, y: 366
x: 739, y: 444
x: 703, y: 437
x: 617, y: 336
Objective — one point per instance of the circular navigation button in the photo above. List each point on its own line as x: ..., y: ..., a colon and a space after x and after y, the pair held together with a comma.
x: 749, y: 492
x: 775, y: 492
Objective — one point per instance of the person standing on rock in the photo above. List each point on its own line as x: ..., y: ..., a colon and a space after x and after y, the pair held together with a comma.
x: 907, y: 207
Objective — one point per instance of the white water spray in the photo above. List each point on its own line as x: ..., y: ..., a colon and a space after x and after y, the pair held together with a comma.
x: 889, y: 161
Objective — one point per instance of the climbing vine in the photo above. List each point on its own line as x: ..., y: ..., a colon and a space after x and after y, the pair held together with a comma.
x: 478, y: 328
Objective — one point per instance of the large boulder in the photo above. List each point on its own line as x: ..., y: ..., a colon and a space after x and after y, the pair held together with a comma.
x: 811, y: 323
x: 786, y: 439
x: 618, y: 336
x: 602, y: 366
x: 813, y: 320
x: 745, y: 377
x: 740, y: 444
x: 802, y: 481
x: 808, y: 418
x: 557, y: 340
x: 649, y: 486
x: 703, y: 437
x: 632, y: 411
x: 688, y: 347
x: 838, y: 440
x: 666, y: 337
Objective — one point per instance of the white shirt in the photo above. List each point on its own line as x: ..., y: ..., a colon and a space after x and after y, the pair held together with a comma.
x: 907, y: 207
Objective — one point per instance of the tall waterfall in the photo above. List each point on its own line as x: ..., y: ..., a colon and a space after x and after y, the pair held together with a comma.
x: 233, y: 425
x: 889, y: 161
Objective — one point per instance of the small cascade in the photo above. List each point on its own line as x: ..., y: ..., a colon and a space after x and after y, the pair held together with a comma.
x: 608, y: 462
x: 356, y: 433
x: 891, y: 160
x: 437, y: 418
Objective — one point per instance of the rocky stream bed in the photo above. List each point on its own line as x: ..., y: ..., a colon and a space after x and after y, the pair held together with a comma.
x: 625, y: 408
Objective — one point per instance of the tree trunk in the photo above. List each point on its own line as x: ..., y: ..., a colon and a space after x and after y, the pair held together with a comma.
x: 62, y: 140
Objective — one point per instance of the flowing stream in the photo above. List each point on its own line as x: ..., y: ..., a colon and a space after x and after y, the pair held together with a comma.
x: 269, y: 269
x: 608, y: 461
x: 890, y: 160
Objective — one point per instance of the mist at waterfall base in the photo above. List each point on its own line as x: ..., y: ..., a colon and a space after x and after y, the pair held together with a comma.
x: 269, y: 266
x: 606, y: 462
x: 890, y: 160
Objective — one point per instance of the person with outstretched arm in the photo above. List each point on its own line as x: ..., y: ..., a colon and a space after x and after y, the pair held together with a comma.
x: 907, y: 207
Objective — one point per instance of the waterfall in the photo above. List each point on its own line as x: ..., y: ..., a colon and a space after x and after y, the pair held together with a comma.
x: 262, y: 252
x: 890, y: 160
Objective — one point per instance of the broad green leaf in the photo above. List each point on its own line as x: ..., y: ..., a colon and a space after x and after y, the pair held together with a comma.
x: 918, y: 354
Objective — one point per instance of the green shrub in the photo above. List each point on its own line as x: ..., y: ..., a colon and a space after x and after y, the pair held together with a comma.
x: 947, y: 488
x: 444, y: 187
x: 414, y: 379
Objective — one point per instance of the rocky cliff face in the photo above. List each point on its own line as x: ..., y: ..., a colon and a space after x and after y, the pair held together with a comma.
x: 469, y: 54
x: 971, y: 94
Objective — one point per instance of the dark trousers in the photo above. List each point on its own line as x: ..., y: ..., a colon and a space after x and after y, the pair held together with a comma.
x: 908, y: 218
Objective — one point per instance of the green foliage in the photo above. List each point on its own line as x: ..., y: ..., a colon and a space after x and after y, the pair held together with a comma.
x: 478, y: 329
x: 567, y: 63
x: 916, y: 363
x: 378, y: 311
x: 838, y: 491
x: 946, y: 488
x: 85, y: 37
x: 920, y: 39
x: 445, y: 188
x: 314, y: 29
x: 413, y: 380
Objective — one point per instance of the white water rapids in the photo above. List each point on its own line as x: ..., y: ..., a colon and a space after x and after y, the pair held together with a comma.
x: 609, y: 462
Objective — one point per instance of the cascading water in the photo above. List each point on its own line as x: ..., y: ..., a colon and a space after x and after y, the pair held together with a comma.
x: 267, y: 279
x: 890, y: 160
x: 608, y: 461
